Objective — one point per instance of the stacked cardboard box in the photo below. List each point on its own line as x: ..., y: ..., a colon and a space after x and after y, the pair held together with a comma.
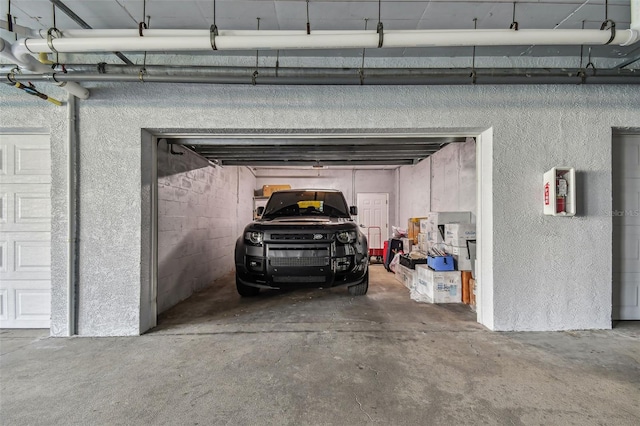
x: 406, y: 276
x: 267, y: 190
x: 413, y: 228
x: 456, y: 236
x: 423, y: 244
x: 437, y: 286
x: 433, y: 226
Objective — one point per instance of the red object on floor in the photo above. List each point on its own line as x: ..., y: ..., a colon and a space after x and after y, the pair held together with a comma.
x: 384, y: 252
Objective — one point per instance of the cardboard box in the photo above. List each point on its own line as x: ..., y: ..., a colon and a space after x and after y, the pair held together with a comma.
x: 472, y: 292
x: 413, y: 228
x: 441, y: 218
x: 462, y: 261
x: 439, y: 286
x: 423, y: 244
x: 407, y: 245
x: 406, y: 276
x: 267, y: 190
x: 458, y: 233
x: 466, y: 287
x: 435, y: 235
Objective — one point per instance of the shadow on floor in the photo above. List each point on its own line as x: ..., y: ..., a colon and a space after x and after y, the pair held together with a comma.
x: 387, y: 304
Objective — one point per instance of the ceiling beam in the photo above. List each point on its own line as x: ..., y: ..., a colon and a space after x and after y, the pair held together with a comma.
x: 312, y: 163
x: 409, y: 151
x: 316, y: 140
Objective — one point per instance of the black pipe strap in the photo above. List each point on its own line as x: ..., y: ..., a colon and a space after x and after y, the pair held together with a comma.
x: 141, y: 26
x: 612, y: 27
x: 50, y: 38
x: 380, y: 31
x: 213, y: 33
x: 514, y: 26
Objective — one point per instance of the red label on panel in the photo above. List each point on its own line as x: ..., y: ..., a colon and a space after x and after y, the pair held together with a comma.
x: 546, y: 194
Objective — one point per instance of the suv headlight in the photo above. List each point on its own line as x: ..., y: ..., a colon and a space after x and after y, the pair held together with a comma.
x: 254, y: 237
x: 345, y: 237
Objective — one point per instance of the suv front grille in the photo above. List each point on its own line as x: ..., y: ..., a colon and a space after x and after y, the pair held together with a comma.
x: 299, y: 261
x: 312, y: 236
x: 307, y: 279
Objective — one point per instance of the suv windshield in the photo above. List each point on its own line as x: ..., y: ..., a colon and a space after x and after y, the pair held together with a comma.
x: 306, y: 203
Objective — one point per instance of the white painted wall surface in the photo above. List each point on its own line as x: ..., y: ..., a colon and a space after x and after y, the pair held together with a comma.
x: 453, y: 178
x: 445, y: 182
x: 547, y: 273
x: 198, y: 215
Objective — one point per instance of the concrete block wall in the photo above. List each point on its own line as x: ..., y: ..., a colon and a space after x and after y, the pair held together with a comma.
x: 453, y: 178
x: 350, y: 182
x: 198, y: 216
x: 444, y: 182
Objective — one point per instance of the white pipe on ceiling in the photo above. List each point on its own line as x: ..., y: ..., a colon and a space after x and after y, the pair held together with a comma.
x: 165, y: 40
x: 19, y: 55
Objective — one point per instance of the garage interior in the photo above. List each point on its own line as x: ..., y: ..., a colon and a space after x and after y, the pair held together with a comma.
x: 197, y: 232
x: 126, y: 180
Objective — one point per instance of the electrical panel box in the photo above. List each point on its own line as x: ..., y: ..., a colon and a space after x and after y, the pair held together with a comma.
x: 560, y: 191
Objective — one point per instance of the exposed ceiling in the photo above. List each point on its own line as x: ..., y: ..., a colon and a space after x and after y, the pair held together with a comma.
x: 352, y: 15
x: 352, y: 150
x: 338, y: 150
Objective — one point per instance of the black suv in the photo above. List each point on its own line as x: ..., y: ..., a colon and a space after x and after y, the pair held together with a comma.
x: 304, y: 238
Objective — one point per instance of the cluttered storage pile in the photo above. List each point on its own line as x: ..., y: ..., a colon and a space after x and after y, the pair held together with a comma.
x: 437, y: 264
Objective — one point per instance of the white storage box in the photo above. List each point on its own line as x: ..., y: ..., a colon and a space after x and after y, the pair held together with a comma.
x: 455, y: 241
x: 462, y: 261
x: 406, y: 276
x: 407, y: 245
x: 440, y: 218
x: 434, y: 233
x: 438, y: 286
x: 456, y: 232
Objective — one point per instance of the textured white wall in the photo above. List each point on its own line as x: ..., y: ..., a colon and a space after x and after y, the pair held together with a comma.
x: 198, y: 211
x: 22, y: 112
x: 548, y: 273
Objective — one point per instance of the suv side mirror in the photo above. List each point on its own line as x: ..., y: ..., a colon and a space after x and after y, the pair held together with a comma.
x: 353, y: 211
x: 260, y: 210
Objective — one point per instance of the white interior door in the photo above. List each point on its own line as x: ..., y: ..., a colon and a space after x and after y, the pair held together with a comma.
x: 25, y: 231
x: 373, y: 213
x: 626, y: 227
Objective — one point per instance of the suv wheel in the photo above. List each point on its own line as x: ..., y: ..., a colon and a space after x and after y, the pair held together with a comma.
x: 246, y: 290
x: 360, y: 289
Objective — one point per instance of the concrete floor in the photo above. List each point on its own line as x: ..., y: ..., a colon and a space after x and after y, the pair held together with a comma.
x: 315, y: 357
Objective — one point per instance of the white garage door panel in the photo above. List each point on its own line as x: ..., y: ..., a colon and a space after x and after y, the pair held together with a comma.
x: 626, y: 227
x: 25, y: 231
x: 32, y: 160
x: 3, y: 304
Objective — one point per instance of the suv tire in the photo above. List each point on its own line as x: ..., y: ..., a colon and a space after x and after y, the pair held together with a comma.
x: 360, y: 289
x: 246, y: 290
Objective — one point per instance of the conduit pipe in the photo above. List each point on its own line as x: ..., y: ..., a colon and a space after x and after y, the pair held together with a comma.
x: 340, y: 76
x: 18, y: 54
x: 319, y: 40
